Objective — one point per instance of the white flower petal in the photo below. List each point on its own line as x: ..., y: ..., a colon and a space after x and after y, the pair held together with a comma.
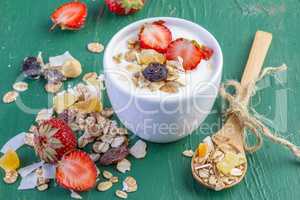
x: 14, y: 143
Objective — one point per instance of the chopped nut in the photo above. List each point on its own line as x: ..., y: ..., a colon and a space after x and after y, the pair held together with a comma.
x: 53, y: 87
x: 188, y: 153
x: 20, y: 86
x: 95, y: 47
x: 107, y: 174
x: 124, y: 165
x: 130, y: 184
x: 121, y: 194
x: 104, y: 186
x: 203, y: 173
x: 10, y: 97
x: 212, y: 180
x: 43, y: 187
x: 10, y: 177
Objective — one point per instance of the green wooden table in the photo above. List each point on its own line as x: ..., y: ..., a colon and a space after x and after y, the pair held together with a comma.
x: 164, y: 173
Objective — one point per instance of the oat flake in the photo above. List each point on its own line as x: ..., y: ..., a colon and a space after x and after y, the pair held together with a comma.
x: 20, y: 86
x: 95, y: 47
x: 104, y: 186
x: 10, y: 97
x: 121, y: 194
x: 123, y: 166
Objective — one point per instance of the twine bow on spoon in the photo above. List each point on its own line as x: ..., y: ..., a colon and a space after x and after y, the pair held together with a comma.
x: 238, y: 106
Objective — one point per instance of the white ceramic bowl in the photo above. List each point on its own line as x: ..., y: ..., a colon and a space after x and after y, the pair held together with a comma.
x: 157, y: 116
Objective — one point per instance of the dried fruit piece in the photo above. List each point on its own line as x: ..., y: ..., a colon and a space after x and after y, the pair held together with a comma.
x: 31, y: 67
x: 20, y: 86
x: 123, y: 165
x: 95, y: 47
x: 121, y: 194
x: 104, y: 186
x: 89, y: 106
x: 71, y: 68
x: 76, y: 171
x: 10, y: 161
x: 114, y: 155
x: 63, y: 101
x: 138, y: 150
x: 11, y: 176
x: 155, y: 72
x: 188, y: 153
x: 155, y: 36
x: 70, y: 16
x: 107, y: 174
x: 130, y: 184
x: 53, y: 87
x: 202, y: 150
x: 10, y: 97
x: 148, y: 56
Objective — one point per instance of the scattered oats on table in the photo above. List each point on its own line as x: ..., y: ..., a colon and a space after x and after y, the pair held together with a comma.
x: 123, y: 165
x: 11, y: 176
x: 121, y: 194
x: 20, y: 86
x: 95, y: 47
x: 107, y: 174
x: 10, y: 97
x: 130, y: 184
x: 188, y: 153
x: 114, y: 179
x: 104, y: 186
x: 53, y: 87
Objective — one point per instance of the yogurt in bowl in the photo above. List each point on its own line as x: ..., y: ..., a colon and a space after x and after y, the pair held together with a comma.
x: 174, y: 105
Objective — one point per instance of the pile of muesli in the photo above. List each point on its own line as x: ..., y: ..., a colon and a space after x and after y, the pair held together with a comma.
x: 218, y: 166
x: 158, y: 63
x: 61, y: 133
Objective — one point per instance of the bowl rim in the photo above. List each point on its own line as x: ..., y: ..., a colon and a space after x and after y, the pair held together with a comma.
x: 213, y: 79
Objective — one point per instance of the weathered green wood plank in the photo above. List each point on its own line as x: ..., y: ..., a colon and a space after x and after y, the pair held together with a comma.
x: 165, y: 174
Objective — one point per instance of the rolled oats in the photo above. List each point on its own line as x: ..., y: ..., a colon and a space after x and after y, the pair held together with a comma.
x: 10, y: 177
x: 118, y: 141
x: 130, y: 184
x: 10, y: 97
x: 104, y: 186
x: 121, y: 194
x: 114, y: 179
x: 43, y: 187
x: 53, y: 87
x: 95, y: 47
x: 107, y: 174
x: 20, y: 86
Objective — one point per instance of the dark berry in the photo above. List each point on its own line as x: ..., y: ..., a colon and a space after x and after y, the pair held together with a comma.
x: 155, y: 72
x: 31, y: 67
x: 53, y: 75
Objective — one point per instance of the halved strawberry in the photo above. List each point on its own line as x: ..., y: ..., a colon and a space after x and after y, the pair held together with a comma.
x: 76, y: 171
x: 155, y: 36
x: 70, y: 16
x: 206, y: 52
x: 124, y: 7
x: 188, y: 50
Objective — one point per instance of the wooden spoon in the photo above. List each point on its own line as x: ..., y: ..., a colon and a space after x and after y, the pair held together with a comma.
x: 232, y: 129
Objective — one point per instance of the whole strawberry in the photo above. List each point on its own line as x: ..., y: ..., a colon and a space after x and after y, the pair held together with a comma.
x: 76, y: 171
x: 125, y: 7
x: 53, y: 139
x: 69, y: 16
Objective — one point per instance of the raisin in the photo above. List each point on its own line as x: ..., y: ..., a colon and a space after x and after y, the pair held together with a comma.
x: 31, y: 67
x: 155, y: 72
x: 114, y: 155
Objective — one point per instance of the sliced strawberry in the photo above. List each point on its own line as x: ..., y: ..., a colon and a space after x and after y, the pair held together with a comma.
x: 76, y: 171
x: 188, y: 50
x: 124, y: 7
x: 70, y: 16
x: 206, y: 52
x: 155, y: 36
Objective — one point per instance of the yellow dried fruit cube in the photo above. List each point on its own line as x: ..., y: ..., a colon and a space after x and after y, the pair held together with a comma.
x: 63, y: 101
x: 89, y: 106
x: 10, y: 161
x: 224, y: 167
x: 202, y: 150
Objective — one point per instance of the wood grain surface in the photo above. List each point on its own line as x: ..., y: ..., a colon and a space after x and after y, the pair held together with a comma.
x: 165, y: 174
